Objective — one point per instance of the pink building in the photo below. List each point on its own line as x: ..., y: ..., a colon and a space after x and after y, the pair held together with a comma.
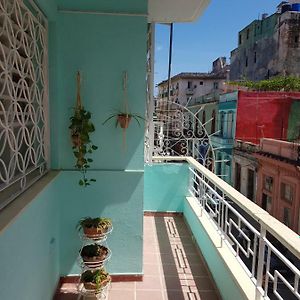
x: 278, y: 180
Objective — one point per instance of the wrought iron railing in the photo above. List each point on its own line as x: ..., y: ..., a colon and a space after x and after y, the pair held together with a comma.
x: 268, y: 251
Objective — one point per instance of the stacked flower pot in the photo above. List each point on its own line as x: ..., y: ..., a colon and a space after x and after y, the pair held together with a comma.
x: 93, y: 255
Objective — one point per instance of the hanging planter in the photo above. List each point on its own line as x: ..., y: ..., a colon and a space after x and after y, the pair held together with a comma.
x: 124, y: 117
x: 81, y: 127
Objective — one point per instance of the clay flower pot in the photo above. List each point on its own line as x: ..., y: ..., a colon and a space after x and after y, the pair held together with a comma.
x: 124, y: 120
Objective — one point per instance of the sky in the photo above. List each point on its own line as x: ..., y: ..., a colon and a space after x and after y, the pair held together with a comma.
x: 196, y: 45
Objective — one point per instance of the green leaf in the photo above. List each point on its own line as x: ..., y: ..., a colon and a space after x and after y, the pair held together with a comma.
x: 81, y: 182
x: 93, y: 180
x: 94, y: 147
x: 89, y: 160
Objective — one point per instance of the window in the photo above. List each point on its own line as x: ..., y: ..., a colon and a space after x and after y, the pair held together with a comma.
x: 230, y: 125
x: 201, y: 82
x: 23, y: 98
x: 190, y: 84
x: 222, y: 120
x: 248, y: 33
x: 216, y: 85
x: 238, y: 171
x: 287, y: 216
x: 255, y: 57
x: 240, y: 39
x: 286, y: 192
x: 296, y: 39
x: 266, y: 202
x: 268, y: 183
x: 246, y: 61
x: 250, y: 184
x: 213, y: 122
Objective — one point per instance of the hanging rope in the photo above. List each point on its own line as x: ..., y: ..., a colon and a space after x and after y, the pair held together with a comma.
x: 78, y: 101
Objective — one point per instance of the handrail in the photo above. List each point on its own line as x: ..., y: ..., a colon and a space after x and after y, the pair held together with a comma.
x: 287, y: 236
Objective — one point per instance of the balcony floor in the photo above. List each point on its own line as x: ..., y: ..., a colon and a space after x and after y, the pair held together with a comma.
x: 173, y: 267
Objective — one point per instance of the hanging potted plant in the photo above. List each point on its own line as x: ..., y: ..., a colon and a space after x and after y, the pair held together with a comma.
x: 124, y: 117
x: 95, y: 228
x: 95, y: 280
x: 81, y: 127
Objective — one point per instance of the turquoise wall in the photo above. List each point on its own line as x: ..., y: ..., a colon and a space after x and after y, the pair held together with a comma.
x: 42, y: 244
x: 227, y: 287
x: 165, y: 187
x: 117, y: 195
x: 29, y: 250
x: 101, y: 47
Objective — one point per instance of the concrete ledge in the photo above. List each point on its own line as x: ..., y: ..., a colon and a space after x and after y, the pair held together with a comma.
x: 15, y: 208
x: 240, y: 277
x: 162, y: 214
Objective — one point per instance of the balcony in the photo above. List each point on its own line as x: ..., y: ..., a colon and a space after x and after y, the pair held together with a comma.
x: 190, y: 91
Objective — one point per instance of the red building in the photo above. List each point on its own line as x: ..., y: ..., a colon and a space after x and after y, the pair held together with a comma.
x: 267, y: 115
x: 278, y: 181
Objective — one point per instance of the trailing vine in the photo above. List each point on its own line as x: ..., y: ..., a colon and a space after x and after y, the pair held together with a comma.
x: 81, y: 127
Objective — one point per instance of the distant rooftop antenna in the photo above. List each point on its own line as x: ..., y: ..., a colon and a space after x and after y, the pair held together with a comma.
x: 264, y: 16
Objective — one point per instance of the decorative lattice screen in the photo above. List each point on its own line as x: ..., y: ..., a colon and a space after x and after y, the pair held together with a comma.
x: 23, y: 97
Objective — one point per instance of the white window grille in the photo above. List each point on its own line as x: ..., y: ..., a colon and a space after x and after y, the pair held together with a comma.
x: 23, y: 97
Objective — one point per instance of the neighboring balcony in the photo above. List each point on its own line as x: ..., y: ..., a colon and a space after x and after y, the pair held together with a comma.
x: 221, y: 140
x: 190, y: 91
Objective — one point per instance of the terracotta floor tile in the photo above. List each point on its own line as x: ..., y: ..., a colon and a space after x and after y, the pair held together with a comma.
x: 174, y: 269
x: 201, y: 283
x: 149, y: 283
x: 174, y: 283
x: 149, y: 295
x: 121, y: 295
x: 123, y: 285
x: 152, y: 269
x: 211, y: 295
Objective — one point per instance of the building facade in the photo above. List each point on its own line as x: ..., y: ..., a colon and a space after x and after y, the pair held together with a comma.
x: 278, y: 184
x: 268, y: 115
x: 186, y: 87
x: 268, y: 47
x: 223, y: 139
x: 244, y: 169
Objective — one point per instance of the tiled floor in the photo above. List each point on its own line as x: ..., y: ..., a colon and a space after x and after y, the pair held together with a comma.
x: 173, y: 267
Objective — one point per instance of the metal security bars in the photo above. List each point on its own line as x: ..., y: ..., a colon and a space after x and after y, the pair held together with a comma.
x: 23, y: 97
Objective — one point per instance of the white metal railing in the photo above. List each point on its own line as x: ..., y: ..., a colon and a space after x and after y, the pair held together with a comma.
x: 268, y: 251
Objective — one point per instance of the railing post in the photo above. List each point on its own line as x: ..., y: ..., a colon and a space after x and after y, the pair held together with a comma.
x: 261, y: 262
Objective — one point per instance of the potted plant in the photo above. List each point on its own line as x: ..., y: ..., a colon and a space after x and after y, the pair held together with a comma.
x: 81, y: 127
x: 95, y: 280
x: 93, y: 254
x: 95, y: 227
x: 124, y: 117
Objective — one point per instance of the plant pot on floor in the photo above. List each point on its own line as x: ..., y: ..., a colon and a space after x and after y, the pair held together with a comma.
x: 94, y: 255
x: 95, y: 280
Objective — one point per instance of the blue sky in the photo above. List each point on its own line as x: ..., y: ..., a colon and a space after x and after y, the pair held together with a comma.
x: 196, y: 45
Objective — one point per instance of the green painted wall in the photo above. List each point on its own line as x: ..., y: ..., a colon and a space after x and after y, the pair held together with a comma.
x: 101, y: 47
x: 117, y: 195
x: 294, y: 121
x: 42, y: 244
x: 29, y: 250
x: 165, y: 186
x: 227, y: 287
